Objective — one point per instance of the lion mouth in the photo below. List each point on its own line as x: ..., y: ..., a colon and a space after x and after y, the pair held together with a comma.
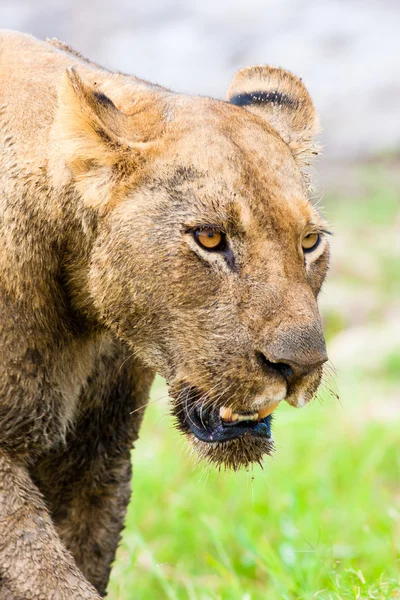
x: 214, y: 425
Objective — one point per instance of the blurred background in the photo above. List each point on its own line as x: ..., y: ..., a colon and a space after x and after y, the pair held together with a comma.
x: 322, y: 520
x: 347, y: 51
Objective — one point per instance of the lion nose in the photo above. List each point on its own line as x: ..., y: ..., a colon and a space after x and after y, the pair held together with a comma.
x: 290, y: 370
x: 294, y: 353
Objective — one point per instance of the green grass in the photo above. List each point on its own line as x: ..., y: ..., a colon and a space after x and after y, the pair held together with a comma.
x: 322, y: 519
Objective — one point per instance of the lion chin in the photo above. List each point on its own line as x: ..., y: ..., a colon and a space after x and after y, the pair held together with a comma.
x: 233, y: 454
x: 228, y: 438
x: 229, y: 441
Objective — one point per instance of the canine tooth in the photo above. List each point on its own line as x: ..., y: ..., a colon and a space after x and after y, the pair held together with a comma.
x: 252, y: 417
x: 264, y: 412
x: 225, y: 413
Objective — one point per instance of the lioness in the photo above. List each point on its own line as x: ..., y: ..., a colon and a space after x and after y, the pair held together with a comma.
x: 142, y: 231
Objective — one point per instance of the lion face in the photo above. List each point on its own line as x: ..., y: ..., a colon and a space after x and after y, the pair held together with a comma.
x: 210, y: 262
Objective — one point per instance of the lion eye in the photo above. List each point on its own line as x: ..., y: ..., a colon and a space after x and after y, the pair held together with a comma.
x: 210, y: 239
x: 310, y: 242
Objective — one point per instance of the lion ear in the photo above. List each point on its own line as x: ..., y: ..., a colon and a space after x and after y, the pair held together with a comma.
x: 95, y: 141
x: 283, y: 101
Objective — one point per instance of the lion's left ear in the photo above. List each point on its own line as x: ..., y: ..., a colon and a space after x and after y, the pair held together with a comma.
x: 283, y: 101
x: 101, y: 146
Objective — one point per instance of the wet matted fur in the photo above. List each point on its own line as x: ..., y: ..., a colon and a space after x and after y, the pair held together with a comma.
x: 142, y: 231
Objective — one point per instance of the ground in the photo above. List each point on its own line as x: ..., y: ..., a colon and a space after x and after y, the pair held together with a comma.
x: 322, y: 520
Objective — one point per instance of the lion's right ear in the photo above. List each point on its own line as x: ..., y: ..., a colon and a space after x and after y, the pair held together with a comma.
x: 281, y: 99
x: 95, y: 141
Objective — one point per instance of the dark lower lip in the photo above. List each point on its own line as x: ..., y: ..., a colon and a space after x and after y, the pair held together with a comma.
x: 208, y: 426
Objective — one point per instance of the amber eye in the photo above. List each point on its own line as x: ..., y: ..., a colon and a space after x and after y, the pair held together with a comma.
x: 310, y: 242
x: 209, y: 238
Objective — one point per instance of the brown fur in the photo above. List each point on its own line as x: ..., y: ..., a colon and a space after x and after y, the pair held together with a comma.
x: 103, y: 179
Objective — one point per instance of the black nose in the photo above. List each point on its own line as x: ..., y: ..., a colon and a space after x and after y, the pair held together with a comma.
x: 290, y: 371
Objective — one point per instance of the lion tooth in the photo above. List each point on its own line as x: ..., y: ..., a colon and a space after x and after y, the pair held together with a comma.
x: 264, y: 412
x: 228, y: 415
x: 225, y: 413
x: 245, y: 417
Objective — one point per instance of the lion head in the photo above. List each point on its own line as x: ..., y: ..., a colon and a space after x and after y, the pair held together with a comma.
x: 208, y: 256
